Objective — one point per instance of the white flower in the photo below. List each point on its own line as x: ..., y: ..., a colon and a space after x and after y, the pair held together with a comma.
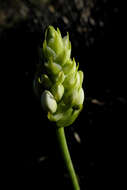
x: 48, y: 102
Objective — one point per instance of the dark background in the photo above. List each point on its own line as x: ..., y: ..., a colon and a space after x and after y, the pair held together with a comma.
x: 30, y: 154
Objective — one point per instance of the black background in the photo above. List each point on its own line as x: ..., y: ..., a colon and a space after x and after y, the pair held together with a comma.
x: 27, y: 135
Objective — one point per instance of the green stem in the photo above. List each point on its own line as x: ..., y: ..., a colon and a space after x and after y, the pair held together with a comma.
x: 66, y: 157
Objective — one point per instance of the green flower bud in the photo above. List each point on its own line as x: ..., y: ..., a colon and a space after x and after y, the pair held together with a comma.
x: 54, y: 39
x: 60, y: 84
x: 53, y: 44
x: 57, y: 91
x: 77, y: 97
x: 69, y: 67
x: 52, y: 67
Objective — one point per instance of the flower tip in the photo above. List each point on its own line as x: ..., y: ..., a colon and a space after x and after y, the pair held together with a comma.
x: 58, y: 30
x: 50, y: 32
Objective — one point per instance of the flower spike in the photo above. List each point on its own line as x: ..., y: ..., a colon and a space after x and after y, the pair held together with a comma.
x: 62, y: 72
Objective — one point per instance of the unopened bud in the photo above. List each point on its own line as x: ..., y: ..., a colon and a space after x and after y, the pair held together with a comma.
x: 48, y: 102
x: 57, y: 91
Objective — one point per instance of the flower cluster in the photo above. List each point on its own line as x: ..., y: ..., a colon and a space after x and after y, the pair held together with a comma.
x: 58, y: 81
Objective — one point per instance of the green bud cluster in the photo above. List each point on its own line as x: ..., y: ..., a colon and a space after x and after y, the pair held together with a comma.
x: 58, y: 81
